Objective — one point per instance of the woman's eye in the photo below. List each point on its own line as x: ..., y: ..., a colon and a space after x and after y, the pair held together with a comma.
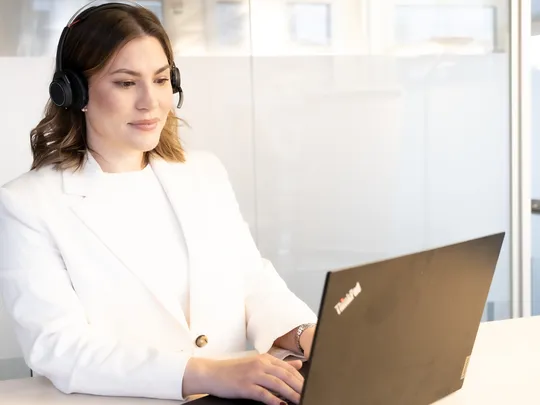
x: 125, y: 84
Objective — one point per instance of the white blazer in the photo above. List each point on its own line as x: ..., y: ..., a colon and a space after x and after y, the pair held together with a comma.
x: 91, y: 320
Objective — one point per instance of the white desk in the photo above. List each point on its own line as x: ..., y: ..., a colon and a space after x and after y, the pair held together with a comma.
x: 504, y: 369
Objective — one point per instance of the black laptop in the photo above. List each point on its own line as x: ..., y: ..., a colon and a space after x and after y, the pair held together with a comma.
x: 399, y: 331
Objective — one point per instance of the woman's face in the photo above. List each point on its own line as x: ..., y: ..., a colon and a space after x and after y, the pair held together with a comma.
x: 128, y: 102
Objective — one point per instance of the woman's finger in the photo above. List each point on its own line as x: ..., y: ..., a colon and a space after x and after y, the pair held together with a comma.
x: 292, y: 366
x: 280, y: 388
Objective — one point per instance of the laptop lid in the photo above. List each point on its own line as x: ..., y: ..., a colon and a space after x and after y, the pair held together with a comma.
x: 401, y: 331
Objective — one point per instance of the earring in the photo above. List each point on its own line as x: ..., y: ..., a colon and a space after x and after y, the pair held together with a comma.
x: 84, y: 109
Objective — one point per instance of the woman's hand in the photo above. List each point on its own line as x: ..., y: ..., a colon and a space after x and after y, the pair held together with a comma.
x: 261, y: 378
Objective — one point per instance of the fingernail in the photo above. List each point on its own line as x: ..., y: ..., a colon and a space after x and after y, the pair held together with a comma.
x: 283, y: 403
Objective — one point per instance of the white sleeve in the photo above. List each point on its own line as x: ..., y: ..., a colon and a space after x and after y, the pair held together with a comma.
x: 272, y: 309
x: 51, y: 325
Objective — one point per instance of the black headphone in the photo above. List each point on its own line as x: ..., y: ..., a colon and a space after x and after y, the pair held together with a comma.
x: 69, y: 89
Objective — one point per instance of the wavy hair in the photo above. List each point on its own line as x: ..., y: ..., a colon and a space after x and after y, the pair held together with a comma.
x: 60, y: 137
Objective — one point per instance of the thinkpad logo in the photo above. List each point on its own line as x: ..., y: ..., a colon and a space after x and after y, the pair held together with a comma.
x: 349, y: 297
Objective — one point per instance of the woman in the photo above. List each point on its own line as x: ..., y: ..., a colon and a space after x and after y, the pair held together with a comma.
x: 124, y: 261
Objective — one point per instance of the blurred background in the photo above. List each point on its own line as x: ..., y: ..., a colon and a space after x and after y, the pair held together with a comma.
x: 352, y: 130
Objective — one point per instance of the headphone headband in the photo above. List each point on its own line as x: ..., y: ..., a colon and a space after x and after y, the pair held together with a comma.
x: 80, y: 15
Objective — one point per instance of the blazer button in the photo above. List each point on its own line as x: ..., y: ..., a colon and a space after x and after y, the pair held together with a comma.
x: 201, y: 341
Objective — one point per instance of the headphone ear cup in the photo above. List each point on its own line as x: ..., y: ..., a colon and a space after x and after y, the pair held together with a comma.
x: 68, y: 89
x: 176, y: 81
x: 60, y: 90
x: 79, y: 89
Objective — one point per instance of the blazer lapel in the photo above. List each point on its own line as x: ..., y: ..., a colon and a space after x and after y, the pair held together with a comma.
x: 92, y: 211
x: 180, y: 188
x: 183, y: 189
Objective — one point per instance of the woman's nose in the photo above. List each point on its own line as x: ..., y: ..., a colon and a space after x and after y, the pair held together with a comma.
x: 147, y: 98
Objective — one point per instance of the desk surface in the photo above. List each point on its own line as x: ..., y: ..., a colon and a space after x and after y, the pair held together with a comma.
x: 504, y: 369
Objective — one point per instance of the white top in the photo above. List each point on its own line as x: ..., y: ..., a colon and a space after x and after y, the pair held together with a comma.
x: 141, y: 205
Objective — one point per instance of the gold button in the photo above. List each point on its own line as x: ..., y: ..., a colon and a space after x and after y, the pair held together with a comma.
x: 201, y: 341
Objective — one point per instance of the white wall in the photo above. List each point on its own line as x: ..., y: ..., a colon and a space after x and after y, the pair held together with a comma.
x: 21, y: 107
x: 351, y: 176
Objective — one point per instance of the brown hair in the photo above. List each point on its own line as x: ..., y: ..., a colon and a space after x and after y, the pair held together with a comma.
x: 60, y: 137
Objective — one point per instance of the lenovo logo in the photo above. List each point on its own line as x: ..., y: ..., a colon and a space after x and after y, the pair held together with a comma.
x: 349, y: 297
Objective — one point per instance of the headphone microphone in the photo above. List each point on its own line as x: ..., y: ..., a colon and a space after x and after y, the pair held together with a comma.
x: 69, y: 89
